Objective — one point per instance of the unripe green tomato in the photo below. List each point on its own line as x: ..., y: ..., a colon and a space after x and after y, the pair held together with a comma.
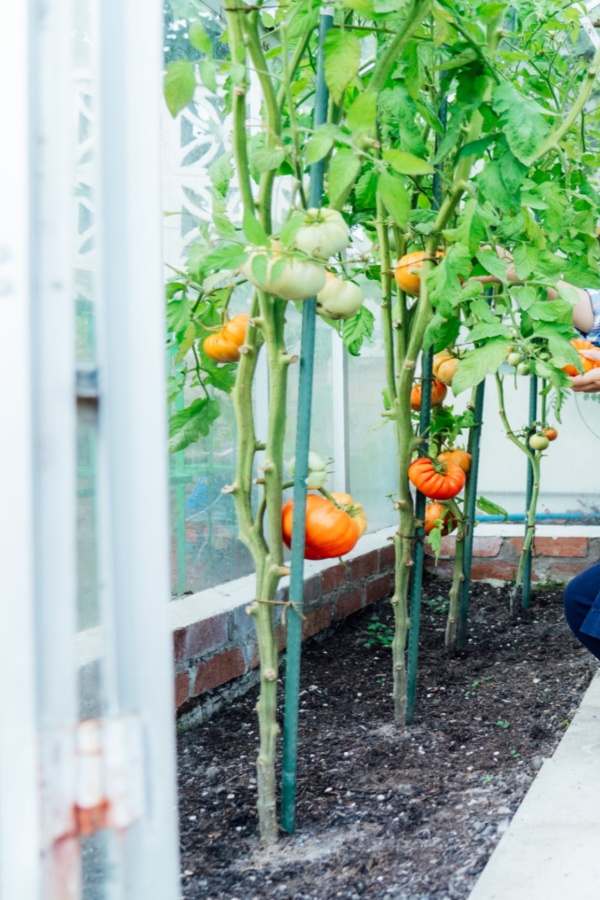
x: 545, y: 356
x: 524, y: 368
x: 538, y: 442
x: 513, y: 359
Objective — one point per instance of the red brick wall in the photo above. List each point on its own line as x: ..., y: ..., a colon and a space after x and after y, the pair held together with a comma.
x: 213, y: 651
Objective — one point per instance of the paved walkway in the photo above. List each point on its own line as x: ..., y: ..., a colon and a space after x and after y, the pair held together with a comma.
x: 551, y: 850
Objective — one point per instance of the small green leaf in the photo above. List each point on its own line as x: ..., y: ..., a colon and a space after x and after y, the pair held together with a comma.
x: 290, y: 229
x: 406, y: 163
x: 441, y: 332
x: 363, y: 113
x: 343, y: 169
x: 318, y: 147
x: 178, y: 314
x: 259, y: 267
x: 187, y: 425
x: 342, y: 59
x: 492, y: 263
x: 231, y: 256
x: 358, y: 329
x: 266, y: 159
x: 198, y: 38
x: 490, y: 508
x: 476, y: 364
x: 525, y: 260
x: 254, y: 231
x: 523, y: 121
x: 179, y: 85
x: 187, y: 343
x: 208, y: 74
x: 395, y: 197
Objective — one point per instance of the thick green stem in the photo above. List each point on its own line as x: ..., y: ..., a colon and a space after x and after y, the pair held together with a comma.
x: 529, y: 535
x: 457, y: 582
x: 416, y: 15
x: 558, y: 133
x: 386, y: 299
x: 268, y: 314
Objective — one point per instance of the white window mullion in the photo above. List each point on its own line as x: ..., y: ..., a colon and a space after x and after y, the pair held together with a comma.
x: 19, y: 835
x: 133, y: 421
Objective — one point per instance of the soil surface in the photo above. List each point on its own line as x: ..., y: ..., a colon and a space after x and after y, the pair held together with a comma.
x: 385, y: 810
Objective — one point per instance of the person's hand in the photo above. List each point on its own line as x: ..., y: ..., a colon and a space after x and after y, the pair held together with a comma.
x: 588, y: 383
x: 594, y: 355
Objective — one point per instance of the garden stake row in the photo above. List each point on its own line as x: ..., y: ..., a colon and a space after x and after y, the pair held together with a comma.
x: 294, y: 633
x: 416, y: 587
x: 530, y: 514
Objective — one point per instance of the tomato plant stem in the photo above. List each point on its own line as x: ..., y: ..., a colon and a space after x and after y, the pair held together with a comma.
x: 458, y: 578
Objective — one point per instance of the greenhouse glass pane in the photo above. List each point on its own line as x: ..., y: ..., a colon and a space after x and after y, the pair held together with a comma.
x: 373, y: 454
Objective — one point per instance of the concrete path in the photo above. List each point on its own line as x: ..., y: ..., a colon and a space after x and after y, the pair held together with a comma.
x: 551, y: 850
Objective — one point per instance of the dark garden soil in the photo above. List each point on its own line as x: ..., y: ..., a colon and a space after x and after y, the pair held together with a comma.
x: 384, y: 810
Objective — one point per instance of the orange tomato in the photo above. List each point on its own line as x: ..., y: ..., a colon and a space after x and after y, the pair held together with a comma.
x: 331, y: 530
x: 438, y: 393
x: 550, y: 433
x: 445, y: 365
x: 224, y: 345
x: 587, y: 364
x: 435, y: 512
x: 437, y: 480
x: 458, y: 458
x: 407, y: 272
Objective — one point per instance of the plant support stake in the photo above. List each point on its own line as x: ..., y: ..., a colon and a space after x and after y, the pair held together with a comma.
x: 419, y: 551
x: 526, y: 589
x: 294, y: 633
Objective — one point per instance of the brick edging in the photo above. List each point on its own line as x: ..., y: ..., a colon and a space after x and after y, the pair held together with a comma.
x: 213, y: 651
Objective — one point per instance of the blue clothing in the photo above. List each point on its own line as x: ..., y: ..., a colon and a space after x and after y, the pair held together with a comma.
x: 594, y: 335
x: 582, y: 608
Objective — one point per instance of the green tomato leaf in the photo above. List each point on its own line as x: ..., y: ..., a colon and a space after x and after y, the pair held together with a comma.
x: 178, y: 315
x: 476, y: 364
x: 291, y: 229
x: 187, y: 425
x: 187, y: 343
x: 254, y: 231
x: 343, y: 169
x: 441, y: 332
x: 342, y: 59
x: 362, y: 114
x: 319, y: 146
x: 406, y: 163
x: 231, y: 256
x: 395, y: 197
x: 358, y: 329
x: 492, y: 263
x: 266, y: 159
x: 525, y: 260
x: 523, y: 121
x: 179, y: 85
x: 492, y: 509
x: 198, y: 38
x: 208, y: 74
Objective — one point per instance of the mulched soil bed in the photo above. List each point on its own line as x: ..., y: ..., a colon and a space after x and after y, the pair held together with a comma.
x: 386, y: 810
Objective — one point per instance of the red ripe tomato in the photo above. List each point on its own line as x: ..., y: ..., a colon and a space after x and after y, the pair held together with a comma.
x: 224, y: 345
x: 435, y: 512
x: 587, y: 364
x: 457, y: 458
x: 330, y: 530
x: 550, y: 433
x: 438, y: 394
x: 437, y: 480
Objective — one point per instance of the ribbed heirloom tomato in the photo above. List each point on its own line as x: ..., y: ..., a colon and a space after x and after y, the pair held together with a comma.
x: 330, y: 530
x: 437, y: 480
x: 407, y: 272
x: 587, y: 364
x: 438, y: 393
x: 445, y: 365
x: 457, y: 458
x: 224, y: 345
x: 436, y: 512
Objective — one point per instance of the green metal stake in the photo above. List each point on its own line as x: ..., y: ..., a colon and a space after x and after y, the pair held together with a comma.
x: 419, y: 553
x: 526, y: 587
x: 294, y: 633
x: 470, y: 504
x: 412, y: 662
